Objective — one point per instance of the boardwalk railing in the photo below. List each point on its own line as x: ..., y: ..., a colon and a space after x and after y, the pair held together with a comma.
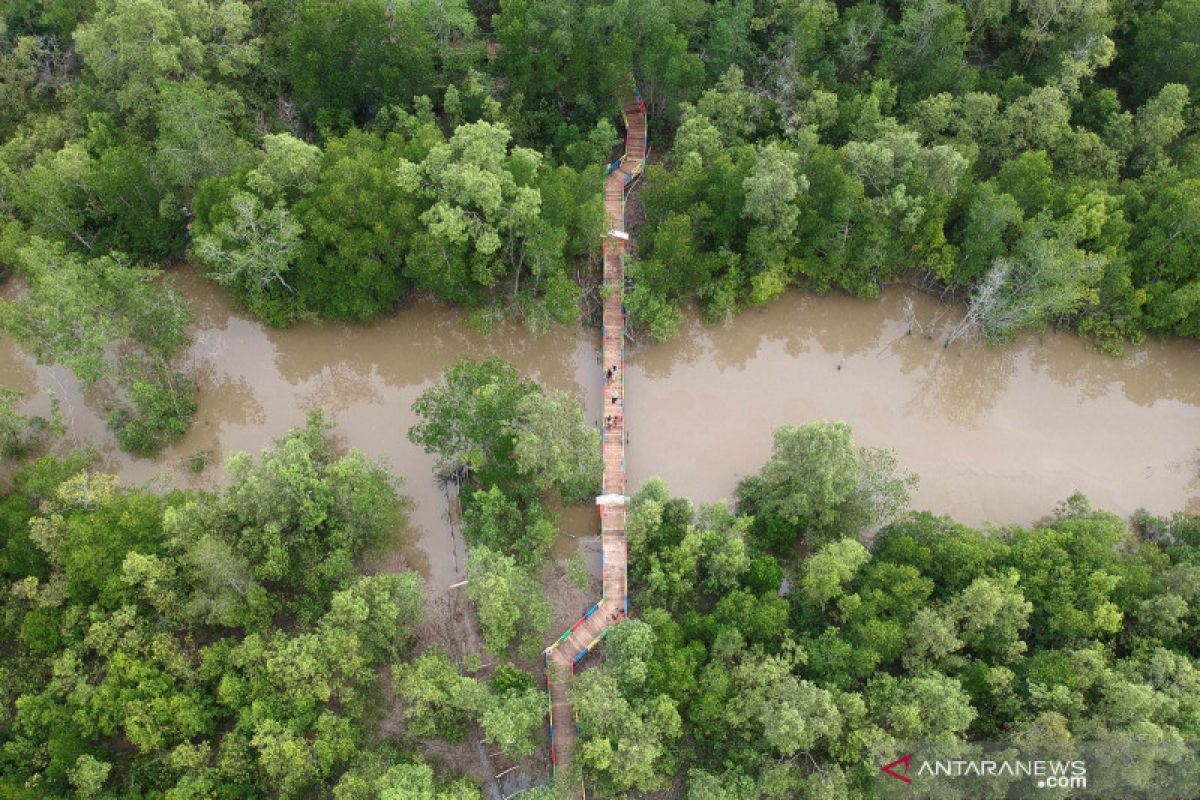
x: 576, y: 642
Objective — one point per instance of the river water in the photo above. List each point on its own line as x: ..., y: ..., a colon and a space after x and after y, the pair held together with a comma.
x: 997, y: 434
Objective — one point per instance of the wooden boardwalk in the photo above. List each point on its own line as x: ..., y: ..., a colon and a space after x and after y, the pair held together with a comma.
x: 574, y: 644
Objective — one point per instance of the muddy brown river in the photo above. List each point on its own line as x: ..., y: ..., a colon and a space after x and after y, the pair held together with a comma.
x: 997, y: 434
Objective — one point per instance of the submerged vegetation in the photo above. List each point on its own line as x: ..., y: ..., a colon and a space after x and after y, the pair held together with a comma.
x: 222, y: 644
x: 510, y: 444
x: 335, y: 160
x: 200, y: 644
x: 1076, y: 630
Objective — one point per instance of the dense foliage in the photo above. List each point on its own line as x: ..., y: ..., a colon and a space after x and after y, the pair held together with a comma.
x: 506, y: 443
x: 335, y: 159
x: 213, y: 644
x: 338, y: 158
x: 348, y: 230
x: 1075, y: 629
x: 1030, y: 156
x: 204, y: 644
x: 110, y: 324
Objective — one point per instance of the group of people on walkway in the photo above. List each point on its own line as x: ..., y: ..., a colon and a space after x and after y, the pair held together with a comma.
x: 610, y: 376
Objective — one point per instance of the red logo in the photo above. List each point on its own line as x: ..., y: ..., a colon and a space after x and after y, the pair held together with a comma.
x: 900, y: 776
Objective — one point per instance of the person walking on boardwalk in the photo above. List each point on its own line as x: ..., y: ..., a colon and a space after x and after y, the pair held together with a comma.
x: 567, y: 651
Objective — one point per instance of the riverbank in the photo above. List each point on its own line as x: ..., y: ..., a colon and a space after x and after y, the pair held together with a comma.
x: 996, y: 434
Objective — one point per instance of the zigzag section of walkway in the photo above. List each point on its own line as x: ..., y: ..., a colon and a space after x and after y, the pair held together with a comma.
x: 574, y: 644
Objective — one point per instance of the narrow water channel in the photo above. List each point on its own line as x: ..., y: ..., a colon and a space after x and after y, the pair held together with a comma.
x: 996, y: 434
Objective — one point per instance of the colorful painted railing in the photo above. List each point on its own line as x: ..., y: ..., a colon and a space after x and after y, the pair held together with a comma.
x: 627, y: 180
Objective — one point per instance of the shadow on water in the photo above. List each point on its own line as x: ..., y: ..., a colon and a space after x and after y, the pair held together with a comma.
x: 1146, y: 374
x: 996, y: 434
x: 960, y: 384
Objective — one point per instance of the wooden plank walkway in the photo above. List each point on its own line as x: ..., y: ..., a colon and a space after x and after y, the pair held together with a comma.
x: 574, y: 644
